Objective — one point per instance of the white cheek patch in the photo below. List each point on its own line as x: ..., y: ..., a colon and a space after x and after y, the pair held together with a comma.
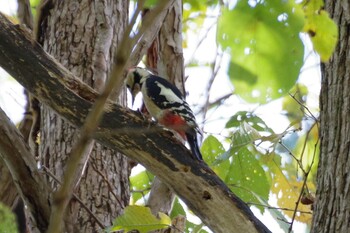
x: 169, y: 94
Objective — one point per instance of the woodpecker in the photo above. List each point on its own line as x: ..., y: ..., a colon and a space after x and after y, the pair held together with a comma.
x: 165, y: 104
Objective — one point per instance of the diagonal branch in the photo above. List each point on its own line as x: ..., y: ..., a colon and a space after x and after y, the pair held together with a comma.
x: 193, y: 181
x: 29, y: 183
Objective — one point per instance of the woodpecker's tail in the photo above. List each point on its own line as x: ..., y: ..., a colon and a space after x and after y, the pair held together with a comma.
x: 192, y: 140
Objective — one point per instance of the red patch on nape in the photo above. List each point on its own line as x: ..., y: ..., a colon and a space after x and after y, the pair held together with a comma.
x: 174, y: 122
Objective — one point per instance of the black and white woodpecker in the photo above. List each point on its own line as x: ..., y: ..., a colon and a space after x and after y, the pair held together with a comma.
x: 165, y: 104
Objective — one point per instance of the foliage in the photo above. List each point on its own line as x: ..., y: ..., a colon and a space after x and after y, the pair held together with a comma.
x: 141, y: 185
x: 266, y: 52
x: 34, y: 6
x: 321, y: 29
x: 265, y: 49
x: 262, y: 39
x: 252, y: 171
x: 140, y: 218
x: 7, y: 220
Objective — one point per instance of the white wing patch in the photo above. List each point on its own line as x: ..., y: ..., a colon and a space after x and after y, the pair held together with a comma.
x: 169, y: 94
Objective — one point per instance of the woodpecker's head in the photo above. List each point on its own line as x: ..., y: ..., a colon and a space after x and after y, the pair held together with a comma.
x: 134, y: 80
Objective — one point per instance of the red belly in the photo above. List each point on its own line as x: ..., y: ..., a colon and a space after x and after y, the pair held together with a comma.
x: 174, y: 122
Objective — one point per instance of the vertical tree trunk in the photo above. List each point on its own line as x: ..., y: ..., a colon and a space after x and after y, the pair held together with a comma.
x: 83, y: 35
x: 332, y: 209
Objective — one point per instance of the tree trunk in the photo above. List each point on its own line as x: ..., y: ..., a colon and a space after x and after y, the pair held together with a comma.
x: 332, y: 209
x: 83, y: 36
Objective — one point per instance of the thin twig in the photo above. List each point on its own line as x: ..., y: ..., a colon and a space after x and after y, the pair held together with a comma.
x: 297, y: 204
x: 214, y: 73
x: 304, y: 186
x: 305, y: 107
x: 283, y: 220
x: 295, y: 158
x: 299, y: 161
x: 277, y: 208
x: 220, y: 99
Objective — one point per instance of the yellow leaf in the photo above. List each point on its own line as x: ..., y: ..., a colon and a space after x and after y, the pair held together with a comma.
x: 140, y: 218
x: 287, y: 192
x: 321, y: 29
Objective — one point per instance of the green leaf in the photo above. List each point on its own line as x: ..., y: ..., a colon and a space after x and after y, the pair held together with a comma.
x: 140, y: 182
x: 177, y: 209
x: 321, y: 28
x: 249, y: 117
x: 266, y: 51
x: 34, y: 5
x: 140, y: 218
x: 195, y: 228
x: 295, y: 110
x: 7, y: 220
x: 244, y: 135
x: 150, y: 3
x: 247, y: 178
x: 212, y: 149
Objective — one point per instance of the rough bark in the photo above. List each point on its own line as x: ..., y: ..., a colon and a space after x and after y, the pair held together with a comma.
x: 127, y: 132
x: 82, y: 36
x: 8, y: 191
x: 29, y: 181
x: 332, y: 207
